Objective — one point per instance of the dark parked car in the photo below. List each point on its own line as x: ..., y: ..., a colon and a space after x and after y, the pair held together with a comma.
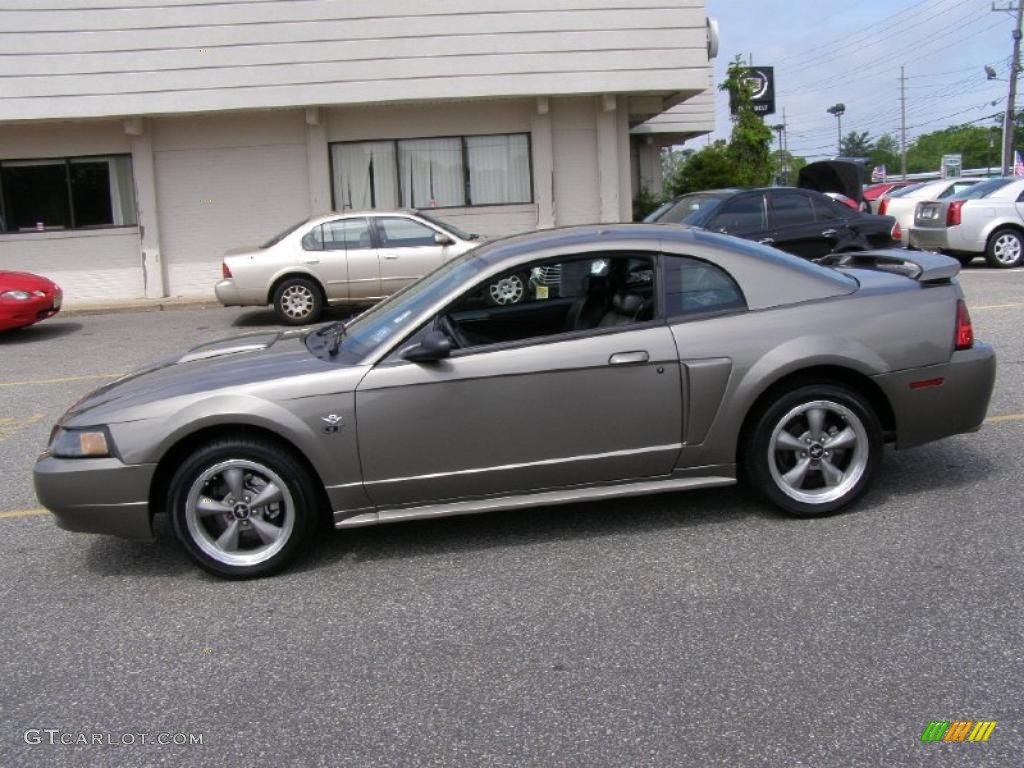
x: 801, y: 221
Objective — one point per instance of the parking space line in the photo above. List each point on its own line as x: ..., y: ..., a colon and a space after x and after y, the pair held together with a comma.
x: 998, y: 306
x: 61, y: 380
x: 8, y: 426
x: 1007, y: 417
x: 24, y: 513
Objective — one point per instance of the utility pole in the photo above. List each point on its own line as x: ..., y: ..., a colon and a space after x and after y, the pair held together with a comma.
x: 1011, y: 96
x: 837, y: 111
x: 903, y: 123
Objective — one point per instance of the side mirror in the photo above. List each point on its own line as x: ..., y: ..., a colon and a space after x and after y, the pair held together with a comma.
x: 442, y: 239
x: 434, y: 346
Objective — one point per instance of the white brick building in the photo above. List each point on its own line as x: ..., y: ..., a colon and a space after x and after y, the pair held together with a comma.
x: 140, y: 139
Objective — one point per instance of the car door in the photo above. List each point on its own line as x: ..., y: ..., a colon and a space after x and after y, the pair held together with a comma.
x: 408, y: 250
x: 793, y: 225
x: 742, y: 216
x: 564, y: 409
x: 355, y: 259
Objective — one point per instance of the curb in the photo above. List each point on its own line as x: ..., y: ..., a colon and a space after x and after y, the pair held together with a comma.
x: 142, y: 305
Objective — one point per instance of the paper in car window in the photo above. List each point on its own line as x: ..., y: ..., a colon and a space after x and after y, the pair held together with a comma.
x: 542, y: 291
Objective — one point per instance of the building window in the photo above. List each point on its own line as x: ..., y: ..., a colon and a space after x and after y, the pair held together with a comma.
x: 448, y: 172
x: 67, y: 193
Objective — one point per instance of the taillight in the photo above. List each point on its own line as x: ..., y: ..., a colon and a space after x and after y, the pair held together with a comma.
x: 964, y: 330
x: 953, y: 213
x: 883, y: 206
x: 896, y: 233
x: 224, y: 269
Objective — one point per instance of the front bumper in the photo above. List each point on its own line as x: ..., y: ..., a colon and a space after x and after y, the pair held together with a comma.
x: 18, y: 314
x: 97, y: 495
x: 931, y: 411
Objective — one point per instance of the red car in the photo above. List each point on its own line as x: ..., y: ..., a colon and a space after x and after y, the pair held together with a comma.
x: 26, y: 299
x: 875, y: 191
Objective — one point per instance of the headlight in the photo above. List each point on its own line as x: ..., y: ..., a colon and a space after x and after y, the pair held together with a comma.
x: 16, y: 295
x: 81, y: 443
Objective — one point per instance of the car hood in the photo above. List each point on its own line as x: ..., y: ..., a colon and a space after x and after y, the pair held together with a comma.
x: 840, y: 176
x: 256, y: 361
x: 23, y: 281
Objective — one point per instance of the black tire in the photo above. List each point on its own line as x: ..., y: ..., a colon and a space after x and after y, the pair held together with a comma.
x: 298, y: 301
x: 857, y: 464
x: 300, y: 503
x: 509, y: 290
x: 1005, y: 249
x: 963, y: 258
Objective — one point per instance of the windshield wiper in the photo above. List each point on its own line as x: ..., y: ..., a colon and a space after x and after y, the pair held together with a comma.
x: 338, y: 333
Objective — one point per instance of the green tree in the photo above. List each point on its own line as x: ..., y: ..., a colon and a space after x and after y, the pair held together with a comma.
x: 710, y: 168
x: 749, y: 148
x: 855, y: 144
x: 970, y: 141
x: 885, y: 151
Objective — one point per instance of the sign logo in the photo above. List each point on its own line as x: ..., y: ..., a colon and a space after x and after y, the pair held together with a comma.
x: 761, y: 81
x: 958, y: 730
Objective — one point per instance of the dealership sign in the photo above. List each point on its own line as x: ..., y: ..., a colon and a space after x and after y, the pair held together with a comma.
x: 761, y: 81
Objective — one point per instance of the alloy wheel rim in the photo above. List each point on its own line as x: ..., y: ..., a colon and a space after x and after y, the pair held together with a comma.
x: 240, y: 512
x: 508, y: 290
x: 1007, y: 248
x: 818, y: 452
x: 297, y: 301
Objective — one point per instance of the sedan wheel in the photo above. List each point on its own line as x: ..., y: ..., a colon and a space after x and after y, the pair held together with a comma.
x: 814, y: 451
x: 507, y: 290
x: 242, y: 508
x: 298, y: 301
x: 1005, y: 249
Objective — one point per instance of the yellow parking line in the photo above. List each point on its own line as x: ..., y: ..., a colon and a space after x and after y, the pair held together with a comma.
x: 999, y: 306
x: 1007, y: 417
x: 30, y: 382
x: 24, y: 513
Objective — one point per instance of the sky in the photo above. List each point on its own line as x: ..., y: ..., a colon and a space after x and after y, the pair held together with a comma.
x: 826, y: 52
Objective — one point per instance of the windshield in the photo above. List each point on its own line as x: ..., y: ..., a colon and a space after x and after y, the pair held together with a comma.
x: 901, y: 191
x: 981, y: 189
x: 278, y: 238
x: 367, y: 331
x: 688, y: 209
x: 462, y: 235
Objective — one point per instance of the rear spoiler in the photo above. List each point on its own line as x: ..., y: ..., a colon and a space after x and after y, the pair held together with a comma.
x: 923, y: 266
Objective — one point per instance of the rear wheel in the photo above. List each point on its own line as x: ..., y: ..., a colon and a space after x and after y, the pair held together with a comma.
x: 242, y: 508
x: 298, y: 301
x: 814, y: 450
x: 964, y: 258
x: 1005, y: 249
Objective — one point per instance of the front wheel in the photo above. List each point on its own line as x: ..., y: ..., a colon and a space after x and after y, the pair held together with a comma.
x: 1005, y: 249
x: 814, y: 450
x: 242, y: 508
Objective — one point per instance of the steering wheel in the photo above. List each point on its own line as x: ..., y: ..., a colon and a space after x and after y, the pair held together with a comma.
x: 452, y: 331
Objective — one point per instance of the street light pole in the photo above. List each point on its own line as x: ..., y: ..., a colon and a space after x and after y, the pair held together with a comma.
x: 838, y: 110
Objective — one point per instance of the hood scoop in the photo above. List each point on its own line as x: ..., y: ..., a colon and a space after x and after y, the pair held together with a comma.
x: 234, y: 346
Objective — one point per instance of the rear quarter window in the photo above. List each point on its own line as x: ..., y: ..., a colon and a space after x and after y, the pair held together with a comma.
x: 695, y: 287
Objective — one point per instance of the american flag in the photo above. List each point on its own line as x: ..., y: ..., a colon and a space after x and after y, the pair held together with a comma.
x: 1018, y: 164
x: 878, y: 173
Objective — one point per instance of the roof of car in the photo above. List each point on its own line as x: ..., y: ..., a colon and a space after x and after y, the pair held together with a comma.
x: 330, y: 215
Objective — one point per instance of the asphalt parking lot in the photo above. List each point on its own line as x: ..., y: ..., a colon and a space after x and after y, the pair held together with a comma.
x: 690, y: 629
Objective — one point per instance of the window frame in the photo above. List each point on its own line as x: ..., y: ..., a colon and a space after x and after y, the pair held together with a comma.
x: 465, y: 168
x: 783, y: 193
x: 66, y: 160
x: 379, y: 236
x: 723, y: 208
x: 394, y: 355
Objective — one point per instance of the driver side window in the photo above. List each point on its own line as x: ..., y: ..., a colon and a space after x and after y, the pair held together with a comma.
x: 554, y: 297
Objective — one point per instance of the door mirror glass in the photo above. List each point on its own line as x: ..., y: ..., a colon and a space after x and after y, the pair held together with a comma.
x: 435, y: 345
x: 440, y: 238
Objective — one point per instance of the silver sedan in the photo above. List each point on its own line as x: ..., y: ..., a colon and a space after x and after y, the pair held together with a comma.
x: 646, y: 358
x: 356, y: 257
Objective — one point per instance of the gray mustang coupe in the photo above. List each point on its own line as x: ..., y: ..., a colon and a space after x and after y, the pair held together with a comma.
x: 644, y: 358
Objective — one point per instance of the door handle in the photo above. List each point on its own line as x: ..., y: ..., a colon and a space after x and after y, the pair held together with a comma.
x: 828, y: 232
x: 629, y: 358
x: 767, y: 241
x: 390, y: 256
x: 311, y: 261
